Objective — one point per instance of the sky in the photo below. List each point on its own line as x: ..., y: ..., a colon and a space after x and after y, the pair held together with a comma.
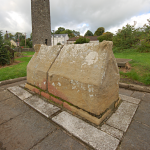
x: 79, y: 15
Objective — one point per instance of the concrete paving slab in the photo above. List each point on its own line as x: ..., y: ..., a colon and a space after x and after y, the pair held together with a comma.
x: 146, y: 97
x: 125, y: 92
x: 11, y: 108
x: 5, y: 95
x: 2, y: 89
x: 22, y: 85
x: 121, y: 119
x: 112, y: 131
x: 136, y: 138
x: 13, y: 84
x: 137, y: 94
x: 129, y: 99
x: 87, y: 133
x: 143, y: 113
x: 25, y: 131
x: 41, y: 106
x: 19, y: 92
x: 59, y: 141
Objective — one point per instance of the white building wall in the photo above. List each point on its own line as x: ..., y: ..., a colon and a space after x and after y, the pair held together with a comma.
x: 59, y: 39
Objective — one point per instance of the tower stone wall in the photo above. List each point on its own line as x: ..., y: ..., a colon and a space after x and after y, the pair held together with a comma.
x: 41, y: 25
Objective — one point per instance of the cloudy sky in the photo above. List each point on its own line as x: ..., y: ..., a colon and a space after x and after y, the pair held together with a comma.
x: 80, y: 15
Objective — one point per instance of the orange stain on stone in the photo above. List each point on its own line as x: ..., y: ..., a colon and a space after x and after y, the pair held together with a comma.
x: 56, y: 100
x: 46, y: 95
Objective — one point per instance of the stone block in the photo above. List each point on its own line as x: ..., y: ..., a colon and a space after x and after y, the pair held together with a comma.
x: 40, y: 63
x: 19, y: 92
x: 46, y: 95
x: 86, y: 75
x: 56, y: 100
x: 43, y: 107
x: 130, y: 99
x: 98, y: 139
x: 86, y: 115
x: 121, y: 119
x: 32, y: 88
x: 112, y: 131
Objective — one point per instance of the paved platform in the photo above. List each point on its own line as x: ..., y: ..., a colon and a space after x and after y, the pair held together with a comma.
x: 28, y: 122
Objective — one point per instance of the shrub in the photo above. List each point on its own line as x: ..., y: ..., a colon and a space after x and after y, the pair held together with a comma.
x: 106, y: 36
x: 82, y: 40
x: 126, y: 37
x: 4, y: 56
x: 145, y: 45
x: 58, y: 43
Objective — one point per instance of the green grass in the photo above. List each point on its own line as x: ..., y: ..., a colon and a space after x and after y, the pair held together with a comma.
x: 16, y: 71
x: 140, y: 65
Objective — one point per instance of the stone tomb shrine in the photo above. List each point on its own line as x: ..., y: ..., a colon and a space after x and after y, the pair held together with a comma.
x: 83, y: 78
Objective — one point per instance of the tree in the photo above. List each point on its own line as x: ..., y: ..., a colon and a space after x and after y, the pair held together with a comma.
x: 76, y: 33
x: 82, y: 40
x: 1, y: 38
x: 60, y: 29
x: 99, y: 31
x: 18, y: 36
x: 70, y: 33
x: 126, y: 37
x: 106, y: 36
x: 88, y: 33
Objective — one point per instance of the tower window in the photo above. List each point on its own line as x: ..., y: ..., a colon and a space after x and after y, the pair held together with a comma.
x: 46, y: 41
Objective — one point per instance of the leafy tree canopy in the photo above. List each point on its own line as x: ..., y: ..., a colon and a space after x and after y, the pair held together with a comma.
x: 106, y: 36
x: 82, y: 40
x: 71, y: 33
x: 88, y: 33
x: 99, y: 31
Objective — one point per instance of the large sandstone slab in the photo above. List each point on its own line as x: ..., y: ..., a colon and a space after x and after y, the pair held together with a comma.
x: 98, y: 139
x: 40, y: 63
x: 86, y: 75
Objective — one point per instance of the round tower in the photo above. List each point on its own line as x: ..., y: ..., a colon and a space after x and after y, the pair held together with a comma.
x: 41, y: 25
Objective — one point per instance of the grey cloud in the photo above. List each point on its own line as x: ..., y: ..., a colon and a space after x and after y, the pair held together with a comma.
x: 72, y: 13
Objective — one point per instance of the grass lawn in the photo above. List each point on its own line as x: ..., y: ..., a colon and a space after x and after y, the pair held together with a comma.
x: 16, y: 71
x: 140, y: 65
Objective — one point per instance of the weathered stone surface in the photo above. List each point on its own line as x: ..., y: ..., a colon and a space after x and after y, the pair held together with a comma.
x: 138, y: 94
x: 122, y: 117
x: 40, y: 105
x: 86, y: 115
x: 136, y: 138
x: 32, y: 88
x: 112, y: 131
x: 19, y: 92
x: 89, y: 134
x: 58, y: 140
x: 86, y: 75
x: 40, y: 63
x: 5, y: 95
x: 125, y: 92
x: 146, y: 97
x: 24, y: 131
x: 143, y: 113
x: 129, y: 99
x: 11, y: 108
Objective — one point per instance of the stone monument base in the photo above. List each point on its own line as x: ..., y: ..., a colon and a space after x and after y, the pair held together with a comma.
x: 97, y: 120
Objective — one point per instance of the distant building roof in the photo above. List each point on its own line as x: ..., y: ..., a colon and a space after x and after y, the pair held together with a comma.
x: 92, y: 38
x: 59, y: 35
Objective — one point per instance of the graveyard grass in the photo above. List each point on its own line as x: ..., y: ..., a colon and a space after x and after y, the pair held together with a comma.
x: 16, y: 71
x: 140, y: 66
